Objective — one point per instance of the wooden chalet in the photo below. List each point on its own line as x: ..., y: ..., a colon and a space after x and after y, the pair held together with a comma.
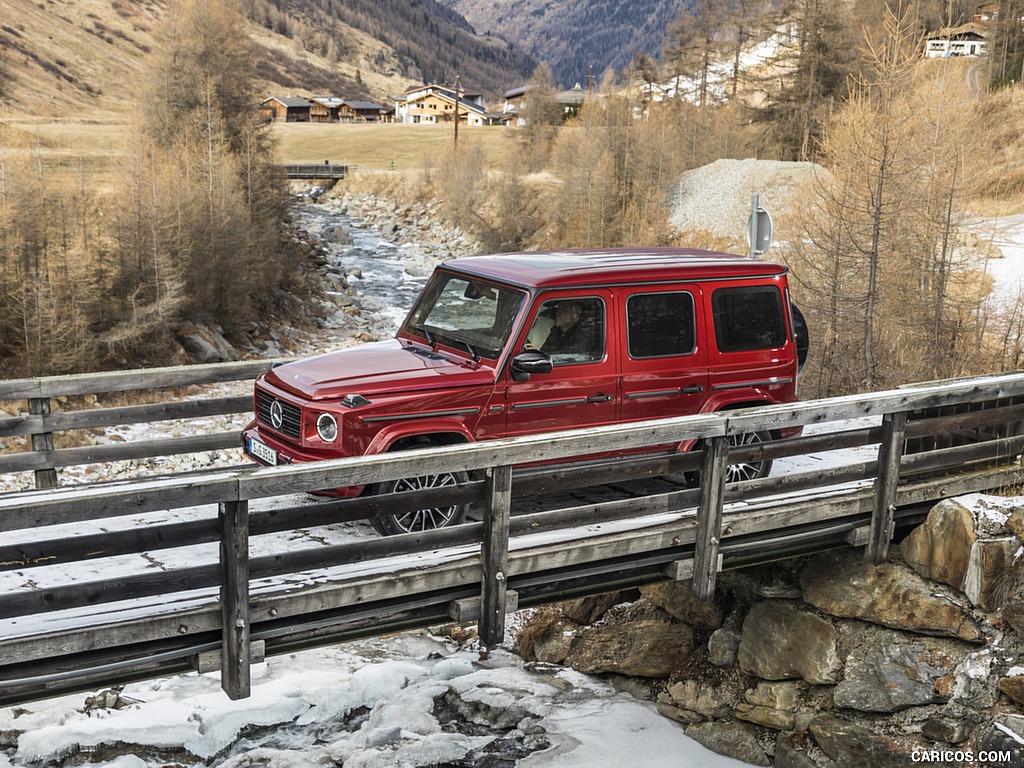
x: 953, y: 43
x: 325, y: 109
x: 362, y: 112
x: 435, y: 104
x: 291, y: 109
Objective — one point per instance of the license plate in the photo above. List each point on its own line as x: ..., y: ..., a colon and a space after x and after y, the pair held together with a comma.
x: 262, y: 452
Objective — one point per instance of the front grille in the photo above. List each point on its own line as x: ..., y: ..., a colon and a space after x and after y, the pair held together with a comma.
x: 291, y: 415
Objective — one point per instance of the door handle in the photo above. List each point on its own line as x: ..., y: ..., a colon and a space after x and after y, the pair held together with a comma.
x: 692, y: 390
x: 599, y: 398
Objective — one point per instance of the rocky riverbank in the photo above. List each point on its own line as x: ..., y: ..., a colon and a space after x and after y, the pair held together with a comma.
x: 830, y: 661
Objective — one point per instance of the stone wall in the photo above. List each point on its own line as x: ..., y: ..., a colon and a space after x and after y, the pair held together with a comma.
x: 829, y: 660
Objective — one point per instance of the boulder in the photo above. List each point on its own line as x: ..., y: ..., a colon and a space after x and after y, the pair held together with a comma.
x: 641, y: 648
x: 893, y: 672
x: 587, y: 610
x: 338, y: 235
x: 734, y: 740
x: 780, y: 640
x: 969, y: 544
x: 772, y: 705
x: 940, y: 548
x: 205, y: 344
x: 680, y: 602
x: 1005, y: 736
x: 1013, y: 687
x: 723, y: 647
x: 840, y: 739
x: 700, y: 698
x: 844, y: 584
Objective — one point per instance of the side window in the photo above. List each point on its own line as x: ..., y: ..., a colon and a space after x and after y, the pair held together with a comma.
x: 660, y: 324
x: 570, y: 331
x: 748, y: 318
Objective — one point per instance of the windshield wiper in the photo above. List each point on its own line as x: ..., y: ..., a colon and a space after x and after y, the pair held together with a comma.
x: 430, y: 337
x: 472, y: 352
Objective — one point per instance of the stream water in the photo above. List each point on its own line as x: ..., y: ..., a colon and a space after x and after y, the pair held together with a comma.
x: 386, y: 277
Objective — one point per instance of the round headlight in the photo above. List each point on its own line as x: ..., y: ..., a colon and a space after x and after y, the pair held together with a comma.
x: 327, y: 427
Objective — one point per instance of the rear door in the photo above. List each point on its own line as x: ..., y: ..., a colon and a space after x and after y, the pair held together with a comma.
x: 754, y: 357
x: 664, y: 355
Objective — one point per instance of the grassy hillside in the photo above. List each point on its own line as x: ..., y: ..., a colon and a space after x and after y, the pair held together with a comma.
x: 85, y: 59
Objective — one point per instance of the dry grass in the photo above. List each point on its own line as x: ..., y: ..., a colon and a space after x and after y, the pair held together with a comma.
x: 93, y: 147
x: 375, y: 147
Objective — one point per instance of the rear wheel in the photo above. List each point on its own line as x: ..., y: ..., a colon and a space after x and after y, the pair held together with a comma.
x: 735, y: 473
x: 422, y: 519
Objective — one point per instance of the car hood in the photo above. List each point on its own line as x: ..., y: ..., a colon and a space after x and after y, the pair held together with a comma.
x: 375, y: 369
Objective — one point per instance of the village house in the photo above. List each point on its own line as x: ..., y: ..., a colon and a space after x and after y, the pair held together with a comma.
x: 325, y: 109
x: 952, y: 43
x: 986, y: 12
x: 362, y: 112
x: 570, y: 102
x: 435, y: 104
x: 291, y: 109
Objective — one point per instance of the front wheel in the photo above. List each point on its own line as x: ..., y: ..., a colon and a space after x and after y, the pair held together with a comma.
x: 422, y: 519
x: 748, y: 470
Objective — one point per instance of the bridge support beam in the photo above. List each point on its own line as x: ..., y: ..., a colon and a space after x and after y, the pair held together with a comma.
x: 883, y: 520
x: 236, y: 650
x: 706, y: 559
x: 45, y: 478
x: 498, y: 506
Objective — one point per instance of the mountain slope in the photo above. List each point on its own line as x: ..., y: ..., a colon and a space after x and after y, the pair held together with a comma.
x: 575, y: 36
x: 85, y: 58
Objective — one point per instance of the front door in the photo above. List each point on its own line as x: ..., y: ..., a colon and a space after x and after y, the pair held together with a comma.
x: 581, y: 389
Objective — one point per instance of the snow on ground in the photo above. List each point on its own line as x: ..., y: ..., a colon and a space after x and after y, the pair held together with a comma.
x: 371, y: 704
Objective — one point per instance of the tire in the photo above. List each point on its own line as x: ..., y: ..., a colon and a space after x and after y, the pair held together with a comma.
x: 735, y: 473
x: 423, y: 519
x: 748, y: 470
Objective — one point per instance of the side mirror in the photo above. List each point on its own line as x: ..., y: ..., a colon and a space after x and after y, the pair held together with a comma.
x: 526, y: 363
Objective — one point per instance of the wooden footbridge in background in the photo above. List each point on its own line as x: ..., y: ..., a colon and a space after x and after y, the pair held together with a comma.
x: 325, y: 170
x: 541, y: 533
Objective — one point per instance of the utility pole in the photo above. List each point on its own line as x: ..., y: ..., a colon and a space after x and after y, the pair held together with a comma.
x: 457, y: 86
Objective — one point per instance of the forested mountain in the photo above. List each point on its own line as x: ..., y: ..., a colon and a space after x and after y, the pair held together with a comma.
x: 421, y: 39
x: 85, y: 58
x: 576, y: 36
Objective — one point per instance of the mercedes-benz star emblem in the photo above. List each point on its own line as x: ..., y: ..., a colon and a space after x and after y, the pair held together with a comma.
x: 276, y: 414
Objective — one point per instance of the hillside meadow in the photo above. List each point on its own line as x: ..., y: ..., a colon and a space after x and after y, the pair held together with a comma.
x: 93, y: 148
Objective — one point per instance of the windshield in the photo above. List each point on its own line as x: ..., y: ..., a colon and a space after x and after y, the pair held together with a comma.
x: 465, y: 313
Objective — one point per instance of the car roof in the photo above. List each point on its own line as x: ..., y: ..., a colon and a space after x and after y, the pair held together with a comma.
x: 554, y: 269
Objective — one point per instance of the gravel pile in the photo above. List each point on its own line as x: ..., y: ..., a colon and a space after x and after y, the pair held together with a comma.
x: 717, y: 198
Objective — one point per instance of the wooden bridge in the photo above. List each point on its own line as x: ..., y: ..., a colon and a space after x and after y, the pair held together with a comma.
x: 540, y: 533
x: 323, y: 170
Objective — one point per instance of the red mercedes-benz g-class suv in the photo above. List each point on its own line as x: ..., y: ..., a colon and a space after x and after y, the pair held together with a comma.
x: 519, y: 343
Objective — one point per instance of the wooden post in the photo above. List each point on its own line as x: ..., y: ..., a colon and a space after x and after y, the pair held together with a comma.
x: 45, y: 478
x: 234, y: 596
x: 894, y: 426
x: 706, y: 560
x: 498, y: 505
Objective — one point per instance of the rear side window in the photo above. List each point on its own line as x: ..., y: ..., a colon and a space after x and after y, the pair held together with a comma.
x: 660, y: 324
x: 748, y: 318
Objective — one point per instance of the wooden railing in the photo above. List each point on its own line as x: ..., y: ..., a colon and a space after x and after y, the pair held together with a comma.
x: 43, y: 420
x: 317, y: 171
x: 485, y: 567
